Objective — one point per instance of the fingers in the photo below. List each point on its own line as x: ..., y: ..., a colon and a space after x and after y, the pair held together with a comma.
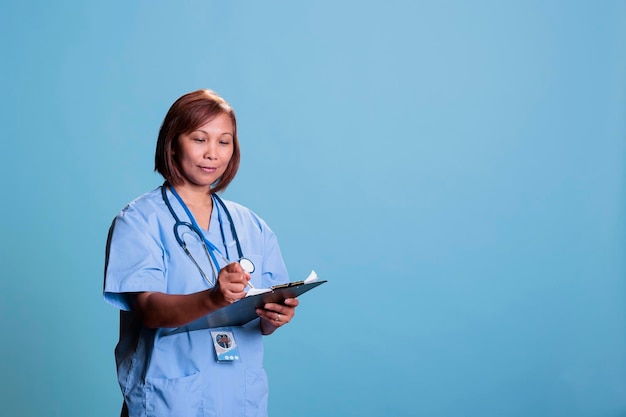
x: 292, y: 302
x: 274, y: 318
x: 232, y: 282
x: 233, y: 273
x: 279, y: 314
x: 234, y: 267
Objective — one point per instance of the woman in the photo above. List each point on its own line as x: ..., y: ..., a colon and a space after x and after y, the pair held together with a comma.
x: 172, y: 258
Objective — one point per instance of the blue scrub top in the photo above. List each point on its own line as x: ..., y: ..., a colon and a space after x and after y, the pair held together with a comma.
x: 176, y: 374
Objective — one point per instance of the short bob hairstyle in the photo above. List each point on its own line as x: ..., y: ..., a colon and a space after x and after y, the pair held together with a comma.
x: 187, y: 114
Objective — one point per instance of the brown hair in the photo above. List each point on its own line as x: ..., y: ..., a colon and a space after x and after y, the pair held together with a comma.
x: 187, y: 114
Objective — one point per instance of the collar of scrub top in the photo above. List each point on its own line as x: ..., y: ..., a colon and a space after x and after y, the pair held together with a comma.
x: 209, y: 248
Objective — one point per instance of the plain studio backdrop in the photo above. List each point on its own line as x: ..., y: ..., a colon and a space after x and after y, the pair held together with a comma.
x: 454, y: 169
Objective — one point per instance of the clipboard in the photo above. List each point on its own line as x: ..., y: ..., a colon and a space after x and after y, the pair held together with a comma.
x: 244, y: 310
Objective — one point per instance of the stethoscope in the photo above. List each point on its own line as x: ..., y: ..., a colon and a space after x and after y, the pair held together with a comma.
x: 209, y: 248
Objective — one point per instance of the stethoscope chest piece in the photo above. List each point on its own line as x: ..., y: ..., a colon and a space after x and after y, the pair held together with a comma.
x: 246, y: 265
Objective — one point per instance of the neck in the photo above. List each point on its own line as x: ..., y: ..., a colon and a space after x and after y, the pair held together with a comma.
x: 198, y: 201
x: 194, y: 196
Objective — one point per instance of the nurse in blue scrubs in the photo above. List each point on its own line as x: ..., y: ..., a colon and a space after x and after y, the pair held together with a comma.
x: 173, y: 257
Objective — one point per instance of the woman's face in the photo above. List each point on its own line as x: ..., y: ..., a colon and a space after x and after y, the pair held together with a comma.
x: 204, y: 154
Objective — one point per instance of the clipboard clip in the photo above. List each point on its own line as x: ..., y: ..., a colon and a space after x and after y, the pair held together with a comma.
x: 310, y: 279
x: 287, y: 285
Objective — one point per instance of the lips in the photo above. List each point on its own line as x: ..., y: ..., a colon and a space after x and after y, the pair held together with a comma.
x: 209, y: 170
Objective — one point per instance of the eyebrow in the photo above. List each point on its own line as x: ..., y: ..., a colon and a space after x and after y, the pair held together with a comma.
x: 221, y: 134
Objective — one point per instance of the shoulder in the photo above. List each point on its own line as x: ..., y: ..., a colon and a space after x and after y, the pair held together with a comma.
x: 136, y: 229
x: 142, y: 216
x: 144, y: 206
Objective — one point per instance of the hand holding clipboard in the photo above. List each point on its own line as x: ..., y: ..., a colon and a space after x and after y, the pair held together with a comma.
x: 244, y: 310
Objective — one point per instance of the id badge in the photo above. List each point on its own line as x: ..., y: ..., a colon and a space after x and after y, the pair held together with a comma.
x: 225, y: 345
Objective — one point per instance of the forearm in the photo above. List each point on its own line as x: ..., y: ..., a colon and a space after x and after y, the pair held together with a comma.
x: 157, y: 309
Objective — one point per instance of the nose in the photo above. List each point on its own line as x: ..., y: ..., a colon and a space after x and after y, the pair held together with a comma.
x: 210, y: 151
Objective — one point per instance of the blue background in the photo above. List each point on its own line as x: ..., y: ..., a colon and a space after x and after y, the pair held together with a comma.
x: 454, y: 169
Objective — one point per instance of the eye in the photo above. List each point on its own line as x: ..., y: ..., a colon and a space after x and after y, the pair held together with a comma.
x: 199, y: 140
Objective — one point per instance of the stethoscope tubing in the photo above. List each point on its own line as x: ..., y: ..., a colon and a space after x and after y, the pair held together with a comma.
x: 209, y: 248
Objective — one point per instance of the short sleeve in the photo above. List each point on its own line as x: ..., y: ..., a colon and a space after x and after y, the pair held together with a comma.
x: 134, y: 258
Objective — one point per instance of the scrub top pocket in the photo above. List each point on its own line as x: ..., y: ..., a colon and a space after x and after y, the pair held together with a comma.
x: 175, y: 397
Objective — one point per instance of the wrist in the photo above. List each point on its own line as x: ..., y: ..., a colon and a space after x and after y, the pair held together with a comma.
x: 267, y: 327
x: 215, y: 299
